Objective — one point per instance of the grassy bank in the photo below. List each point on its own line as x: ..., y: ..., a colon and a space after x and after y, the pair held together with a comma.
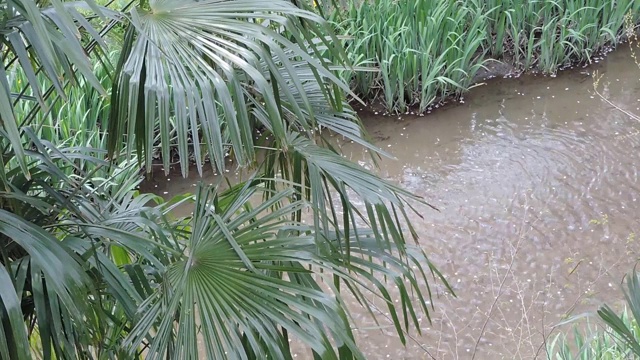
x: 427, y: 51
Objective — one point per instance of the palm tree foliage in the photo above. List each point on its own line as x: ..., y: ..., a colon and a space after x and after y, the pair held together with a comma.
x: 92, y: 268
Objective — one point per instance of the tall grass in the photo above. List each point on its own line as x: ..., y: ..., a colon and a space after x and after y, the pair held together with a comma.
x: 75, y: 125
x: 77, y: 120
x: 590, y: 342
x: 429, y: 50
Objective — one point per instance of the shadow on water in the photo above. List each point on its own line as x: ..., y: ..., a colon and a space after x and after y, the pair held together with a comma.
x: 537, y: 183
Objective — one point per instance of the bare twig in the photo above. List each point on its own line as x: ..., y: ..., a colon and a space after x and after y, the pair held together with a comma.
x: 502, y: 282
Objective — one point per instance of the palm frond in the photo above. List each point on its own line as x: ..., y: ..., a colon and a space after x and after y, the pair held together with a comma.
x: 253, y: 276
x: 196, y: 66
x: 227, y: 289
x: 203, y: 77
x: 51, y: 263
x: 84, y: 239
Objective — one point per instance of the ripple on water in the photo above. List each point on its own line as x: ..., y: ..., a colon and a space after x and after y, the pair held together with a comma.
x: 535, y: 193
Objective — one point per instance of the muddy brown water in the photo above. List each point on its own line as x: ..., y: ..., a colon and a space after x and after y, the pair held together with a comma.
x: 536, y: 180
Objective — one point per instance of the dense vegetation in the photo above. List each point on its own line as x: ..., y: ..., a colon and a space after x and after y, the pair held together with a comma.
x: 92, y: 93
x: 430, y: 50
x: 90, y: 268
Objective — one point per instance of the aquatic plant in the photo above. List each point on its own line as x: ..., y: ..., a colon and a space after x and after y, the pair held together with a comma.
x: 626, y: 331
x: 590, y: 341
x: 79, y: 119
x: 427, y: 51
x: 618, y: 337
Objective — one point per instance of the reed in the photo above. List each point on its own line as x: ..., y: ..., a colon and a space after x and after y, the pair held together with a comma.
x: 588, y: 342
x: 76, y: 123
x: 77, y: 120
x: 427, y: 51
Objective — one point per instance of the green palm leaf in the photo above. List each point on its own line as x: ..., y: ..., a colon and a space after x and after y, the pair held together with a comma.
x: 250, y: 276
x: 11, y: 305
x: 103, y: 250
x: 196, y: 67
x: 49, y: 262
x: 227, y: 288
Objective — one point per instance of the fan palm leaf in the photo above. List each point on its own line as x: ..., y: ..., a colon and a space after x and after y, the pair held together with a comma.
x: 61, y: 240
x: 197, y: 67
x: 250, y: 275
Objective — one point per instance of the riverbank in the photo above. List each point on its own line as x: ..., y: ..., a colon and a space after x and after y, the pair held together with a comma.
x: 425, y: 53
x: 536, y: 186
